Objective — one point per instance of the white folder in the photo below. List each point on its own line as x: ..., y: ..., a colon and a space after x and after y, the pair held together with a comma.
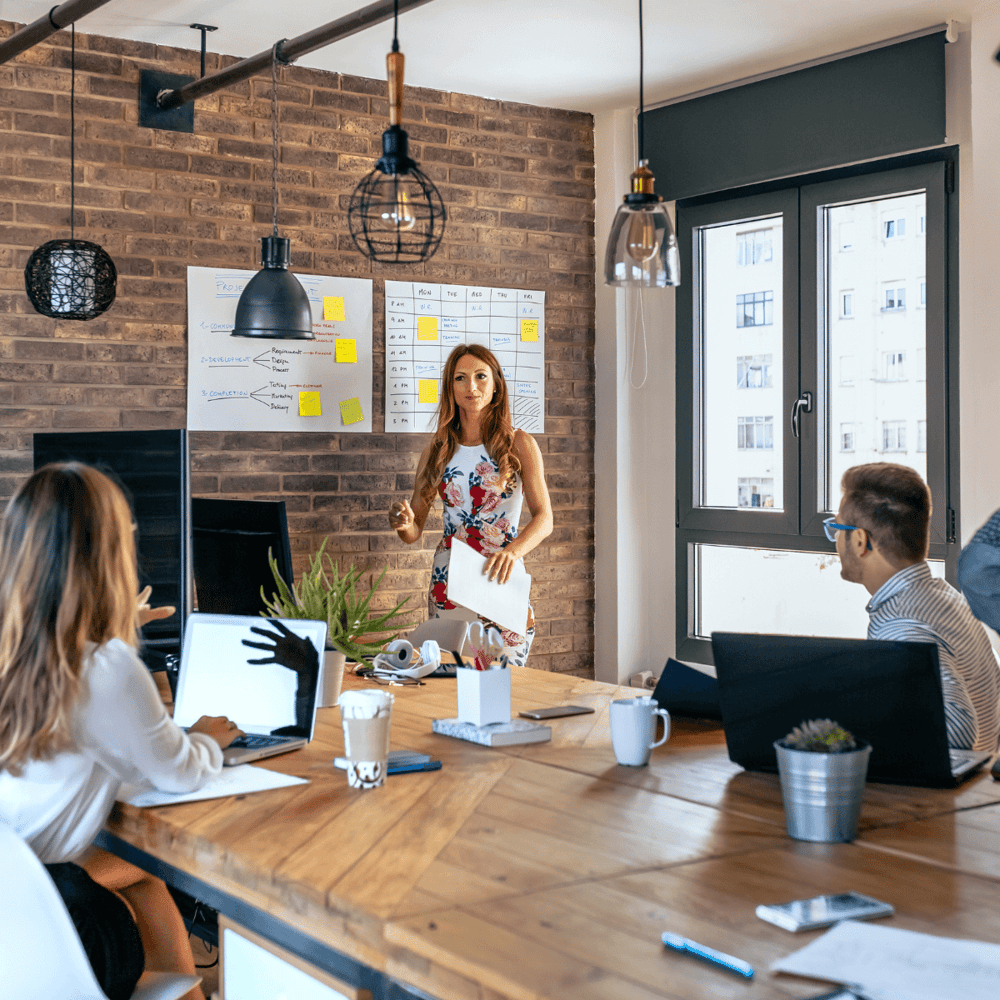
x: 503, y: 603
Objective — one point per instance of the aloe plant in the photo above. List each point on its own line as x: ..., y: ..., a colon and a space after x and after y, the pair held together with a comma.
x: 820, y: 736
x: 322, y: 594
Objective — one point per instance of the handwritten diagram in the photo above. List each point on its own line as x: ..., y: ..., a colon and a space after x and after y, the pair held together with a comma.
x: 251, y: 384
x: 424, y: 322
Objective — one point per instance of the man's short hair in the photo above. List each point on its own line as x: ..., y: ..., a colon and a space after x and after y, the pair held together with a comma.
x: 893, y: 504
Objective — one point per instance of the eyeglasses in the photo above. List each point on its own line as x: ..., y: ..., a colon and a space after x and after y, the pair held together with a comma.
x: 831, y: 527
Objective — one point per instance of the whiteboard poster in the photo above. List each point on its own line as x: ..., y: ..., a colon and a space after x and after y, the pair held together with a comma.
x: 256, y: 384
x: 425, y: 322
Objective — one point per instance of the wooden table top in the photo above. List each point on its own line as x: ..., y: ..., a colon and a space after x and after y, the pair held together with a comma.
x: 548, y: 870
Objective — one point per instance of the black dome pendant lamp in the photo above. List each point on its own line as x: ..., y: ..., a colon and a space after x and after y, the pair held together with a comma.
x: 71, y: 279
x: 274, y: 305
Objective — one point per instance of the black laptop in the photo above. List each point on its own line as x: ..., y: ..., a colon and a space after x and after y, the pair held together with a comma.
x: 886, y: 693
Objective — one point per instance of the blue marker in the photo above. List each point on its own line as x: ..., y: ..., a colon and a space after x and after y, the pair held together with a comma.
x: 679, y: 943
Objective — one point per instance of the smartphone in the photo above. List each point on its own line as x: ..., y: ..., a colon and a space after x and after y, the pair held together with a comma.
x: 555, y: 712
x: 401, y: 761
x: 822, y: 911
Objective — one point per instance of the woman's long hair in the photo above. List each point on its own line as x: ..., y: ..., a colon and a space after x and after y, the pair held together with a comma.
x: 67, y: 576
x: 495, y: 424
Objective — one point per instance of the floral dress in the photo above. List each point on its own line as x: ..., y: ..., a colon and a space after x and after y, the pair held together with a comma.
x: 482, y: 511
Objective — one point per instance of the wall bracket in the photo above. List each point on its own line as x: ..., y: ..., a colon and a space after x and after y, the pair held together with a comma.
x: 151, y: 115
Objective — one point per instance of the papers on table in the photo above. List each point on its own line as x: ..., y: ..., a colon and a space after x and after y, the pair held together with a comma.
x: 237, y: 780
x: 886, y: 963
x: 503, y: 603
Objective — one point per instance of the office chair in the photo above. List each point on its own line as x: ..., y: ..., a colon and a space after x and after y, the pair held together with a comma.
x: 41, y: 954
x: 449, y: 633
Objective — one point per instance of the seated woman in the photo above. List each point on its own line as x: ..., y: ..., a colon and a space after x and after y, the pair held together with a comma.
x: 80, y: 714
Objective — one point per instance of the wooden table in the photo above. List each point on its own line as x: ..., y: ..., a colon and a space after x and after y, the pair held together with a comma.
x: 547, y: 870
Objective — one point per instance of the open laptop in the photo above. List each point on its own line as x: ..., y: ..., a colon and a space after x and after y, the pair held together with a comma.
x: 886, y: 693
x: 215, y: 679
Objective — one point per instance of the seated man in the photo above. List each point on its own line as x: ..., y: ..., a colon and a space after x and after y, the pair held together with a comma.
x: 882, y: 537
x: 979, y: 572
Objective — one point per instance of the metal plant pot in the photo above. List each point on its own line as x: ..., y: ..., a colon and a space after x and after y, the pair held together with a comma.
x: 822, y: 792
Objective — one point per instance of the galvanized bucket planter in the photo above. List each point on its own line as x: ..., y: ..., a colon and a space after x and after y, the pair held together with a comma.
x: 822, y: 792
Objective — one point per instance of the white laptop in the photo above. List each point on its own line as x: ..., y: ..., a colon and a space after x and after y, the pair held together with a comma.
x: 215, y: 679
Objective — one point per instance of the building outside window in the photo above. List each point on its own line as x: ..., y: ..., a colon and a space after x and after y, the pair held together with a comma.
x: 754, y: 371
x: 755, y: 492
x: 893, y: 435
x: 754, y: 248
x: 755, y: 433
x: 894, y: 366
x: 921, y: 435
x: 895, y: 299
x: 846, y: 304
x: 893, y: 229
x: 847, y: 437
x: 755, y: 309
x: 923, y: 293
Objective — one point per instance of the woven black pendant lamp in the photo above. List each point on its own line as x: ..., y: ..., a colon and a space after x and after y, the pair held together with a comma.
x: 274, y: 305
x: 71, y: 279
x: 396, y: 215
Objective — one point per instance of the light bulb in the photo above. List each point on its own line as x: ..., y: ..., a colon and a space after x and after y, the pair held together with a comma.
x: 642, y: 242
x: 401, y: 215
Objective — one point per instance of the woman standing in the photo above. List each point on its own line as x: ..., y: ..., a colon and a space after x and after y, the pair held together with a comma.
x: 483, y: 470
x: 80, y: 714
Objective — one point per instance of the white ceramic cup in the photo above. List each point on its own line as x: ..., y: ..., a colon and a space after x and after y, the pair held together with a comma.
x: 633, y: 729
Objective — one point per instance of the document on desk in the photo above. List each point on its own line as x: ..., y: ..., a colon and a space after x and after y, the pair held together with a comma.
x: 239, y: 780
x: 503, y: 603
x: 887, y: 963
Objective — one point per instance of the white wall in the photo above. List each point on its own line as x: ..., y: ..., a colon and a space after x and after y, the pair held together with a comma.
x: 635, y: 445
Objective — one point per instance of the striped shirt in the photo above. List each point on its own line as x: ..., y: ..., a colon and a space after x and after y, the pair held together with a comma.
x: 914, y: 606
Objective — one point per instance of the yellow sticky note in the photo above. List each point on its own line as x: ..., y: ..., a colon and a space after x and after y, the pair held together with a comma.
x: 333, y: 309
x: 347, y: 351
x: 428, y: 391
x: 309, y: 405
x: 350, y: 411
x: 529, y: 329
x: 427, y: 328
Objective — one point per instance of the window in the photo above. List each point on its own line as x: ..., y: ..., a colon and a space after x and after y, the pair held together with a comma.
x: 755, y: 309
x: 893, y: 229
x: 847, y: 365
x: 923, y: 225
x: 754, y: 372
x: 893, y: 435
x: 846, y: 305
x: 755, y: 433
x: 847, y: 437
x: 755, y: 492
x: 923, y: 292
x: 894, y: 366
x: 895, y: 299
x: 922, y: 435
x: 754, y: 248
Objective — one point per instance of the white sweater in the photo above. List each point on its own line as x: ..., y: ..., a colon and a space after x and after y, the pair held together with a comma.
x: 122, y: 733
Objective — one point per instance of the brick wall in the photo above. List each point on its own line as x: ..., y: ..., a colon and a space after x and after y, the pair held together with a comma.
x: 518, y: 183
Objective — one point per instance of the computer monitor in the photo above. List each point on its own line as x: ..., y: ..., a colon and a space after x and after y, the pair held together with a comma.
x: 230, y: 541
x: 153, y: 468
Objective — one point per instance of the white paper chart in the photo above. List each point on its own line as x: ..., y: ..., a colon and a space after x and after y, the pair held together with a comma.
x: 424, y: 322
x: 254, y: 384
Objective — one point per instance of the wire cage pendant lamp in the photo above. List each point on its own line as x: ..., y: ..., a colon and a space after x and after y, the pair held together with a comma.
x: 642, y: 247
x: 274, y: 305
x: 71, y: 279
x: 396, y: 215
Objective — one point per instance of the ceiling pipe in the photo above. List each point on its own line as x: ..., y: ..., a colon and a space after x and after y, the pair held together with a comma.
x: 287, y: 51
x: 58, y: 18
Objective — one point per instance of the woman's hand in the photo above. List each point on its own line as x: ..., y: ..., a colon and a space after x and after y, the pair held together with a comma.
x: 401, y: 516
x: 221, y: 729
x: 146, y: 613
x: 501, y: 564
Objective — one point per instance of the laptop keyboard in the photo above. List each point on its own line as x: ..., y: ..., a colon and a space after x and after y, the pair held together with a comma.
x: 254, y: 741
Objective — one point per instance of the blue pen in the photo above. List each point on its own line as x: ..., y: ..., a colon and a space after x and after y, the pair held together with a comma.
x: 679, y: 943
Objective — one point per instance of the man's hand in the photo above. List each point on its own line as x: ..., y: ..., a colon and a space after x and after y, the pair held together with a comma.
x: 286, y: 648
x: 221, y: 729
x: 146, y: 613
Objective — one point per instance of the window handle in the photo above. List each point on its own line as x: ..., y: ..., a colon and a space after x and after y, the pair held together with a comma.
x: 804, y: 402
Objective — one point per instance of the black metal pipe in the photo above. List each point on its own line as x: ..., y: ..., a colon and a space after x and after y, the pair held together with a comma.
x: 288, y: 51
x: 58, y: 18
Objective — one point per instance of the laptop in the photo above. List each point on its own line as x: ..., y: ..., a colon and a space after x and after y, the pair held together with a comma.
x: 683, y: 690
x: 886, y: 693
x: 214, y: 678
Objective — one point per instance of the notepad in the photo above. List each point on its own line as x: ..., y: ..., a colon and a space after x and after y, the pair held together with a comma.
x: 239, y: 780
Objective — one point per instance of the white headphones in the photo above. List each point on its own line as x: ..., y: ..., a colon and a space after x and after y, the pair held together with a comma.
x: 395, y: 660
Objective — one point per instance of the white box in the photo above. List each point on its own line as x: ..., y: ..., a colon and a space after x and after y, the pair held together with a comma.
x: 483, y: 696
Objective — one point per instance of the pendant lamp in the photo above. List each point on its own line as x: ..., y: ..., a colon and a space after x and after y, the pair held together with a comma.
x: 274, y: 305
x: 71, y: 279
x: 396, y: 215
x: 642, y: 247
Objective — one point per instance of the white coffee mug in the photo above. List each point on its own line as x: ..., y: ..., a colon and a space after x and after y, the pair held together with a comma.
x: 633, y: 729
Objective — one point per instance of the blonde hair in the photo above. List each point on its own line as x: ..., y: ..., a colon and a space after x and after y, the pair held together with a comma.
x: 495, y: 424
x: 67, y: 577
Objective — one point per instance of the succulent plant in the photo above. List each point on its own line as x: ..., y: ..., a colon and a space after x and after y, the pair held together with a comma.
x: 820, y: 736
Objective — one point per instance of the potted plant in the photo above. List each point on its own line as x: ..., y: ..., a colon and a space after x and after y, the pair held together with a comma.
x: 323, y: 594
x: 823, y: 771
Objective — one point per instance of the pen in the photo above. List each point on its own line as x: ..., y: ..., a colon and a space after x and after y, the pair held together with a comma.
x: 679, y: 943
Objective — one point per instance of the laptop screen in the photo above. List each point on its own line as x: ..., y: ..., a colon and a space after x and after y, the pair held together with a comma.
x: 215, y: 678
